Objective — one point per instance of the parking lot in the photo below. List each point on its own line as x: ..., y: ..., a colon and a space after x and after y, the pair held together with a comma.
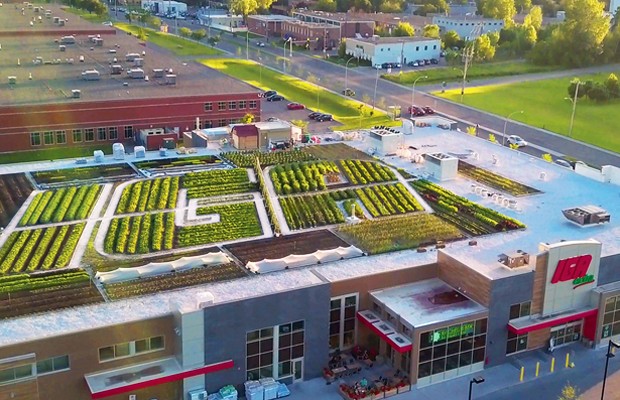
x: 277, y: 109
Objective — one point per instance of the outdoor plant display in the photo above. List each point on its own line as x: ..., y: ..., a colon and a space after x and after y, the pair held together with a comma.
x: 363, y: 172
x: 472, y: 218
x: 385, y: 200
x: 301, y: 177
x: 65, y: 204
x: 39, y: 249
x: 149, y: 195
x: 310, y: 211
x: 194, y: 276
x: 82, y: 174
x: 217, y: 182
x: 237, y: 221
x: 245, y: 159
x: 14, y: 190
x: 140, y: 234
x: 398, y: 233
x: 494, y: 180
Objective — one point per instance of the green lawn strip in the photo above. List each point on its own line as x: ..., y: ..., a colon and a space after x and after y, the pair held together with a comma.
x: 345, y: 111
x: 476, y: 71
x: 53, y: 153
x: 544, y: 106
x: 179, y: 46
x: 87, y: 15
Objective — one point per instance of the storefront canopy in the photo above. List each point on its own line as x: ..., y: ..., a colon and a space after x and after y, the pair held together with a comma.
x: 398, y: 342
x: 527, y: 324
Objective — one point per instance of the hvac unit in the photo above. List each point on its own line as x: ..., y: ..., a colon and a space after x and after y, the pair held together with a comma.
x: 171, y: 79
x: 199, y: 394
x: 76, y: 93
x: 158, y: 73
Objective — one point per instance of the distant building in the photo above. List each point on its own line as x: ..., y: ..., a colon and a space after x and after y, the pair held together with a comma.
x: 465, y: 25
x: 267, y: 25
x: 245, y: 137
x: 164, y: 7
x: 319, y: 36
x: 349, y: 25
x: 380, y: 50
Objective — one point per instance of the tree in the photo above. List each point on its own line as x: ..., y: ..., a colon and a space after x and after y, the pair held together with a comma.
x: 342, y: 49
x: 483, y: 49
x: 264, y: 4
x: 199, y: 34
x: 326, y: 5
x: 403, y: 29
x: 547, y: 157
x: 185, y: 32
x: 451, y: 39
x: 523, y: 5
x: 534, y: 18
x: 248, y: 118
x: 391, y: 6
x: 303, y: 124
x: 153, y: 22
x: 612, y: 85
x: 500, y: 9
x: 598, y: 93
x: 432, y: 31
x: 570, y: 392
x: 244, y: 7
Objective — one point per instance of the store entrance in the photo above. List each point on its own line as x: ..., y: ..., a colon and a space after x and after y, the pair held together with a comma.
x: 565, y: 334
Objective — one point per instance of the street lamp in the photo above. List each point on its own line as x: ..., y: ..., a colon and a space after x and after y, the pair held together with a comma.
x: 375, y: 95
x: 318, y: 95
x: 609, y: 355
x: 346, y: 74
x: 413, y: 92
x: 574, y: 101
x: 477, y: 380
x: 506, y: 123
x: 260, y: 63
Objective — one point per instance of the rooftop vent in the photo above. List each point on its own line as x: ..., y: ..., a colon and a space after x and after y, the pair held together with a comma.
x: 12, y: 80
x: 587, y: 215
x: 171, y: 79
x: 515, y: 260
x: 76, y: 94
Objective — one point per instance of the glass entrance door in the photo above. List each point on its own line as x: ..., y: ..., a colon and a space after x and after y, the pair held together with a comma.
x: 565, y: 334
x: 298, y: 369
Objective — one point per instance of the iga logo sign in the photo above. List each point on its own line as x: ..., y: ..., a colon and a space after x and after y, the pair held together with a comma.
x: 574, y: 269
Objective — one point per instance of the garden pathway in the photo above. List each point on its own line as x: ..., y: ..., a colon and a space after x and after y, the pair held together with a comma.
x: 415, y: 194
x: 284, y: 229
x: 251, y: 175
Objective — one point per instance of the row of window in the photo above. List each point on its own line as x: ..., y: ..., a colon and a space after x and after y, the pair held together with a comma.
x: 274, y: 346
x: 342, y: 322
x: 611, y: 317
x: 231, y: 105
x: 130, y: 349
x: 47, y: 366
x: 417, y: 48
x: 452, y: 23
x: 206, y: 124
x: 79, y: 135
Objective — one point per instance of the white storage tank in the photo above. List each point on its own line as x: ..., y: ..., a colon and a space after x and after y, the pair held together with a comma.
x: 118, y: 150
x: 99, y: 156
x: 139, y: 151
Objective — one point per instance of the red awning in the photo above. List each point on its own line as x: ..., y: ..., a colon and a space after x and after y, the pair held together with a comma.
x: 385, y: 331
x: 521, y: 326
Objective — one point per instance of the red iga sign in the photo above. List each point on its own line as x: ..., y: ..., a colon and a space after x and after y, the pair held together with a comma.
x: 574, y: 269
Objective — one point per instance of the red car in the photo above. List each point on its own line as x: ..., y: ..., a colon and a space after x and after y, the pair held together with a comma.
x: 415, y: 110
x: 295, y: 106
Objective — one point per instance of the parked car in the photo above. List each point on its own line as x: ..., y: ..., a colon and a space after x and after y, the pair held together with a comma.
x: 313, y: 115
x: 434, y: 61
x: 427, y: 62
x: 275, y: 97
x: 295, y: 106
x: 107, y: 23
x: 348, y: 92
x: 386, y: 65
x: 516, y: 140
x: 420, y: 63
x: 324, y: 117
x: 377, y: 66
x: 415, y: 110
x: 260, y: 44
x: 428, y: 110
x: 413, y: 63
x: 563, y: 163
x: 269, y: 93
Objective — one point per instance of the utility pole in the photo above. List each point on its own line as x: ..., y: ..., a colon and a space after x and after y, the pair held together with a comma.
x: 468, y: 55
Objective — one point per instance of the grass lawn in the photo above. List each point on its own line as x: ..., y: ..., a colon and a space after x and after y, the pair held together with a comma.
x: 53, y: 154
x: 476, y: 71
x: 345, y: 111
x: 86, y: 15
x: 179, y: 46
x: 544, y: 106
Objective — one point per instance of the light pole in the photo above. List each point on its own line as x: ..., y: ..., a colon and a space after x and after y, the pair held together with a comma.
x: 260, y: 63
x: 607, y: 357
x: 318, y: 95
x: 375, y: 95
x: 413, y: 92
x: 346, y: 75
x: 574, y: 101
x: 477, y: 380
x: 506, y: 124
x: 247, y: 42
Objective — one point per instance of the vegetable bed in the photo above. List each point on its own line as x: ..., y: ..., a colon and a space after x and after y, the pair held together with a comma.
x: 66, y: 204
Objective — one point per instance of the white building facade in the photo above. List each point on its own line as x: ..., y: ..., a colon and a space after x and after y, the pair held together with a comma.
x: 164, y: 7
x: 468, y: 27
x: 401, y: 50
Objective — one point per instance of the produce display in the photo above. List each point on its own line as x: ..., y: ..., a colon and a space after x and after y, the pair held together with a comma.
x: 310, y: 211
x: 398, y: 233
x: 140, y: 234
x: 217, y: 182
x: 65, y: 204
x: 494, y: 180
x: 472, y: 218
x: 237, y: 221
x: 39, y: 249
x: 14, y: 190
x: 364, y: 172
x: 245, y: 159
x: 301, y: 177
x: 149, y: 195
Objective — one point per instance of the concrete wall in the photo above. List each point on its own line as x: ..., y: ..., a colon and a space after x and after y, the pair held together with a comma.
x: 226, y: 326
x: 607, y: 173
x: 609, y: 270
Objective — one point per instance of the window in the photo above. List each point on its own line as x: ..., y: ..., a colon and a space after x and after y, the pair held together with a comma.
x: 89, y: 134
x: 232, y: 105
x: 434, y: 47
x: 516, y: 343
x: 209, y: 106
x: 252, y: 104
x: 278, y: 345
x: 113, y: 132
x: 53, y: 364
x: 242, y: 104
x: 342, y: 325
x: 128, y: 132
x: 425, y: 47
x: 611, y: 317
x: 221, y: 105
x: 520, y: 310
x: 446, y: 349
x: 16, y: 373
x: 35, y: 139
x: 101, y: 134
x: 61, y: 137
x: 221, y: 122
x: 77, y: 135
x: 417, y: 48
x: 259, y: 353
x: 130, y: 349
x: 48, y: 137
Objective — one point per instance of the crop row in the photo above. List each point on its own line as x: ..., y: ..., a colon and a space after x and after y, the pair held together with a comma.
x: 236, y: 221
x: 301, y: 177
x: 21, y: 282
x: 217, y: 182
x: 310, y: 211
x: 362, y: 172
x: 149, y: 195
x: 246, y: 159
x: 385, y: 200
x: 494, y: 180
x: 66, y: 204
x: 39, y: 249
x: 140, y: 234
